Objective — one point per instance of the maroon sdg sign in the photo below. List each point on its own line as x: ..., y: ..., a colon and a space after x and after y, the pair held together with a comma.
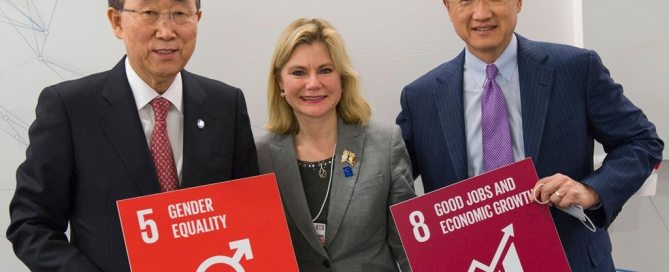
x: 486, y: 223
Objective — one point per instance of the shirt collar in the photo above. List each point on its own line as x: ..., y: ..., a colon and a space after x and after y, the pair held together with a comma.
x: 143, y: 93
x: 506, y: 63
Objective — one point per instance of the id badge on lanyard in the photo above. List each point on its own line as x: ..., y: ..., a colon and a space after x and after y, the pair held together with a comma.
x: 320, y: 231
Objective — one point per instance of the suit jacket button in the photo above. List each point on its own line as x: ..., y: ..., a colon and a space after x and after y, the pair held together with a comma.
x: 326, y: 263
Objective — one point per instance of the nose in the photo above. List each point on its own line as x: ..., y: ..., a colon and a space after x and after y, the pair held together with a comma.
x: 481, y: 11
x: 165, y: 27
x: 313, y: 82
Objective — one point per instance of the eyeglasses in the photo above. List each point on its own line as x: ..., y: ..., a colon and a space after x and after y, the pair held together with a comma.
x: 150, y: 17
x: 468, y: 4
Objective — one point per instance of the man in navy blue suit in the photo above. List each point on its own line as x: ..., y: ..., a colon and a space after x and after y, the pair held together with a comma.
x: 558, y: 98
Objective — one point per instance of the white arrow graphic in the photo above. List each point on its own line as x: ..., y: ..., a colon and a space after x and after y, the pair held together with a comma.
x: 508, y: 232
x: 243, y: 248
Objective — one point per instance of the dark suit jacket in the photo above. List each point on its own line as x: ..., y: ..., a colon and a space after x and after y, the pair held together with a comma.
x: 88, y: 150
x: 567, y: 100
x: 360, y: 234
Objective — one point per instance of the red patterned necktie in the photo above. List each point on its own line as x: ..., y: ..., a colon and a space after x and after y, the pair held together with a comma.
x: 161, y: 150
x: 495, y: 130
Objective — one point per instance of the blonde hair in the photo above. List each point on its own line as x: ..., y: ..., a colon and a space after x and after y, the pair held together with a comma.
x: 352, y: 108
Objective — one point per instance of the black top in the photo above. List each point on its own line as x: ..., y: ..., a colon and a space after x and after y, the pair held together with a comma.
x: 315, y: 180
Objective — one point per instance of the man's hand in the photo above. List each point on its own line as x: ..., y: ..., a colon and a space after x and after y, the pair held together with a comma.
x: 562, y: 191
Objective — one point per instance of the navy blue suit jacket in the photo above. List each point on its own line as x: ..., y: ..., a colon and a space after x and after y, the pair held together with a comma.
x: 88, y: 150
x: 568, y: 100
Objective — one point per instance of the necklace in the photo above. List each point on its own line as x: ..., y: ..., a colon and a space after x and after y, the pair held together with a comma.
x: 321, y: 172
x: 325, y: 199
x: 320, y: 167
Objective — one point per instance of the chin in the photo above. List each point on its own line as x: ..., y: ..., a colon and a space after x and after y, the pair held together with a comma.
x: 167, y: 71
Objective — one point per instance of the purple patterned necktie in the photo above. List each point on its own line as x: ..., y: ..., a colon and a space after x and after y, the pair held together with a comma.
x: 495, y: 131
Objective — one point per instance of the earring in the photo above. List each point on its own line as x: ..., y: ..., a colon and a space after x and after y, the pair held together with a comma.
x: 283, y: 94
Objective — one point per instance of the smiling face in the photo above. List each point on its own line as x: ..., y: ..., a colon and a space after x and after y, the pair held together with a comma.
x: 486, y: 26
x: 158, y: 51
x: 311, y: 83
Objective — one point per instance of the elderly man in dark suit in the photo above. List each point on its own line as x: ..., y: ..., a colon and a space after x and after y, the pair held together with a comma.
x: 143, y: 127
x: 505, y: 98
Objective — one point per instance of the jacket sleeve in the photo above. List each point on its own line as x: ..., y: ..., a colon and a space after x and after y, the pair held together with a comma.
x: 404, y: 120
x: 245, y: 156
x: 41, y: 206
x: 629, y: 139
x: 401, y: 189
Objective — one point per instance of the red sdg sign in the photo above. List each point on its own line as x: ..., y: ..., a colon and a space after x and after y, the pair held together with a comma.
x: 486, y: 223
x: 229, y: 226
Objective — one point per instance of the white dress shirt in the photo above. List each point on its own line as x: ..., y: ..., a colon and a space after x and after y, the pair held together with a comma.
x: 143, y: 94
x: 508, y: 80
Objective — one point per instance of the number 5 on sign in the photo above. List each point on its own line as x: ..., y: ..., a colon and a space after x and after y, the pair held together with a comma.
x: 150, y: 236
x: 420, y: 230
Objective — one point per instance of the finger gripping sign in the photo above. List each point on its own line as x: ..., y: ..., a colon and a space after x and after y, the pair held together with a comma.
x: 482, y: 224
x: 228, y: 226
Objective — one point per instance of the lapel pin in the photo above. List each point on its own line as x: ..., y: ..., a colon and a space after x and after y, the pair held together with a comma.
x: 348, y: 159
x: 348, y: 171
x: 200, y: 123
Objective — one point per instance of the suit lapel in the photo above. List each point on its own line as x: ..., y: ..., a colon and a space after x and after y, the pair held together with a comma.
x: 120, y: 121
x: 536, y: 79
x: 449, y: 103
x: 197, y: 141
x: 351, y: 138
x: 284, y: 163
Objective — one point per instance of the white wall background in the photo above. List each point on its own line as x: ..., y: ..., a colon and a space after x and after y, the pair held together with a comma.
x: 391, y: 43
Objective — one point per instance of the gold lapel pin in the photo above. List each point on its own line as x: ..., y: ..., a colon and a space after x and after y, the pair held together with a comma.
x: 348, y: 157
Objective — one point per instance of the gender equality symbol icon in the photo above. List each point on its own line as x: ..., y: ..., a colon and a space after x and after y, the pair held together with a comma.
x: 243, y: 250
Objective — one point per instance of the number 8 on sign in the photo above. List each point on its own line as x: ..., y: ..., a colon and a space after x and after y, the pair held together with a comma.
x: 418, y: 222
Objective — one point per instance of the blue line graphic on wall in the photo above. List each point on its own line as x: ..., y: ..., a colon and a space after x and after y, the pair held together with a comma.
x: 33, y: 29
x: 13, y: 126
x: 31, y: 20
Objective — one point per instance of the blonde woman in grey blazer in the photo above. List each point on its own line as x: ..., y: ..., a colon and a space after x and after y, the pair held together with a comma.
x: 337, y: 173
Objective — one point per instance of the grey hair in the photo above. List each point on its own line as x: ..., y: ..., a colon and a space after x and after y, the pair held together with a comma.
x: 118, y: 4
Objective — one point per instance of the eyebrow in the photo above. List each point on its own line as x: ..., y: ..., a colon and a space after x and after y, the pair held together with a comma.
x: 304, y: 67
x: 182, y: 1
x: 153, y: 1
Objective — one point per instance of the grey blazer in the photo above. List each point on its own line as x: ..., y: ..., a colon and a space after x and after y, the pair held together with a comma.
x: 361, y: 234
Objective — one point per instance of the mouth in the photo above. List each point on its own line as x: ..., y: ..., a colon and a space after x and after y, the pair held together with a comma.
x: 313, y: 99
x: 165, y: 51
x: 484, y: 28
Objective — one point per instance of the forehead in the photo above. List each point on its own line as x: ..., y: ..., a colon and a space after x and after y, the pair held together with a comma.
x: 307, y: 57
x: 158, y: 2
x: 311, y: 51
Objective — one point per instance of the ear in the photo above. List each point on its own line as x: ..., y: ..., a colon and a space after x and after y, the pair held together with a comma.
x: 519, y: 6
x: 447, y: 4
x: 114, y: 17
x: 279, y: 82
x: 198, y: 15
